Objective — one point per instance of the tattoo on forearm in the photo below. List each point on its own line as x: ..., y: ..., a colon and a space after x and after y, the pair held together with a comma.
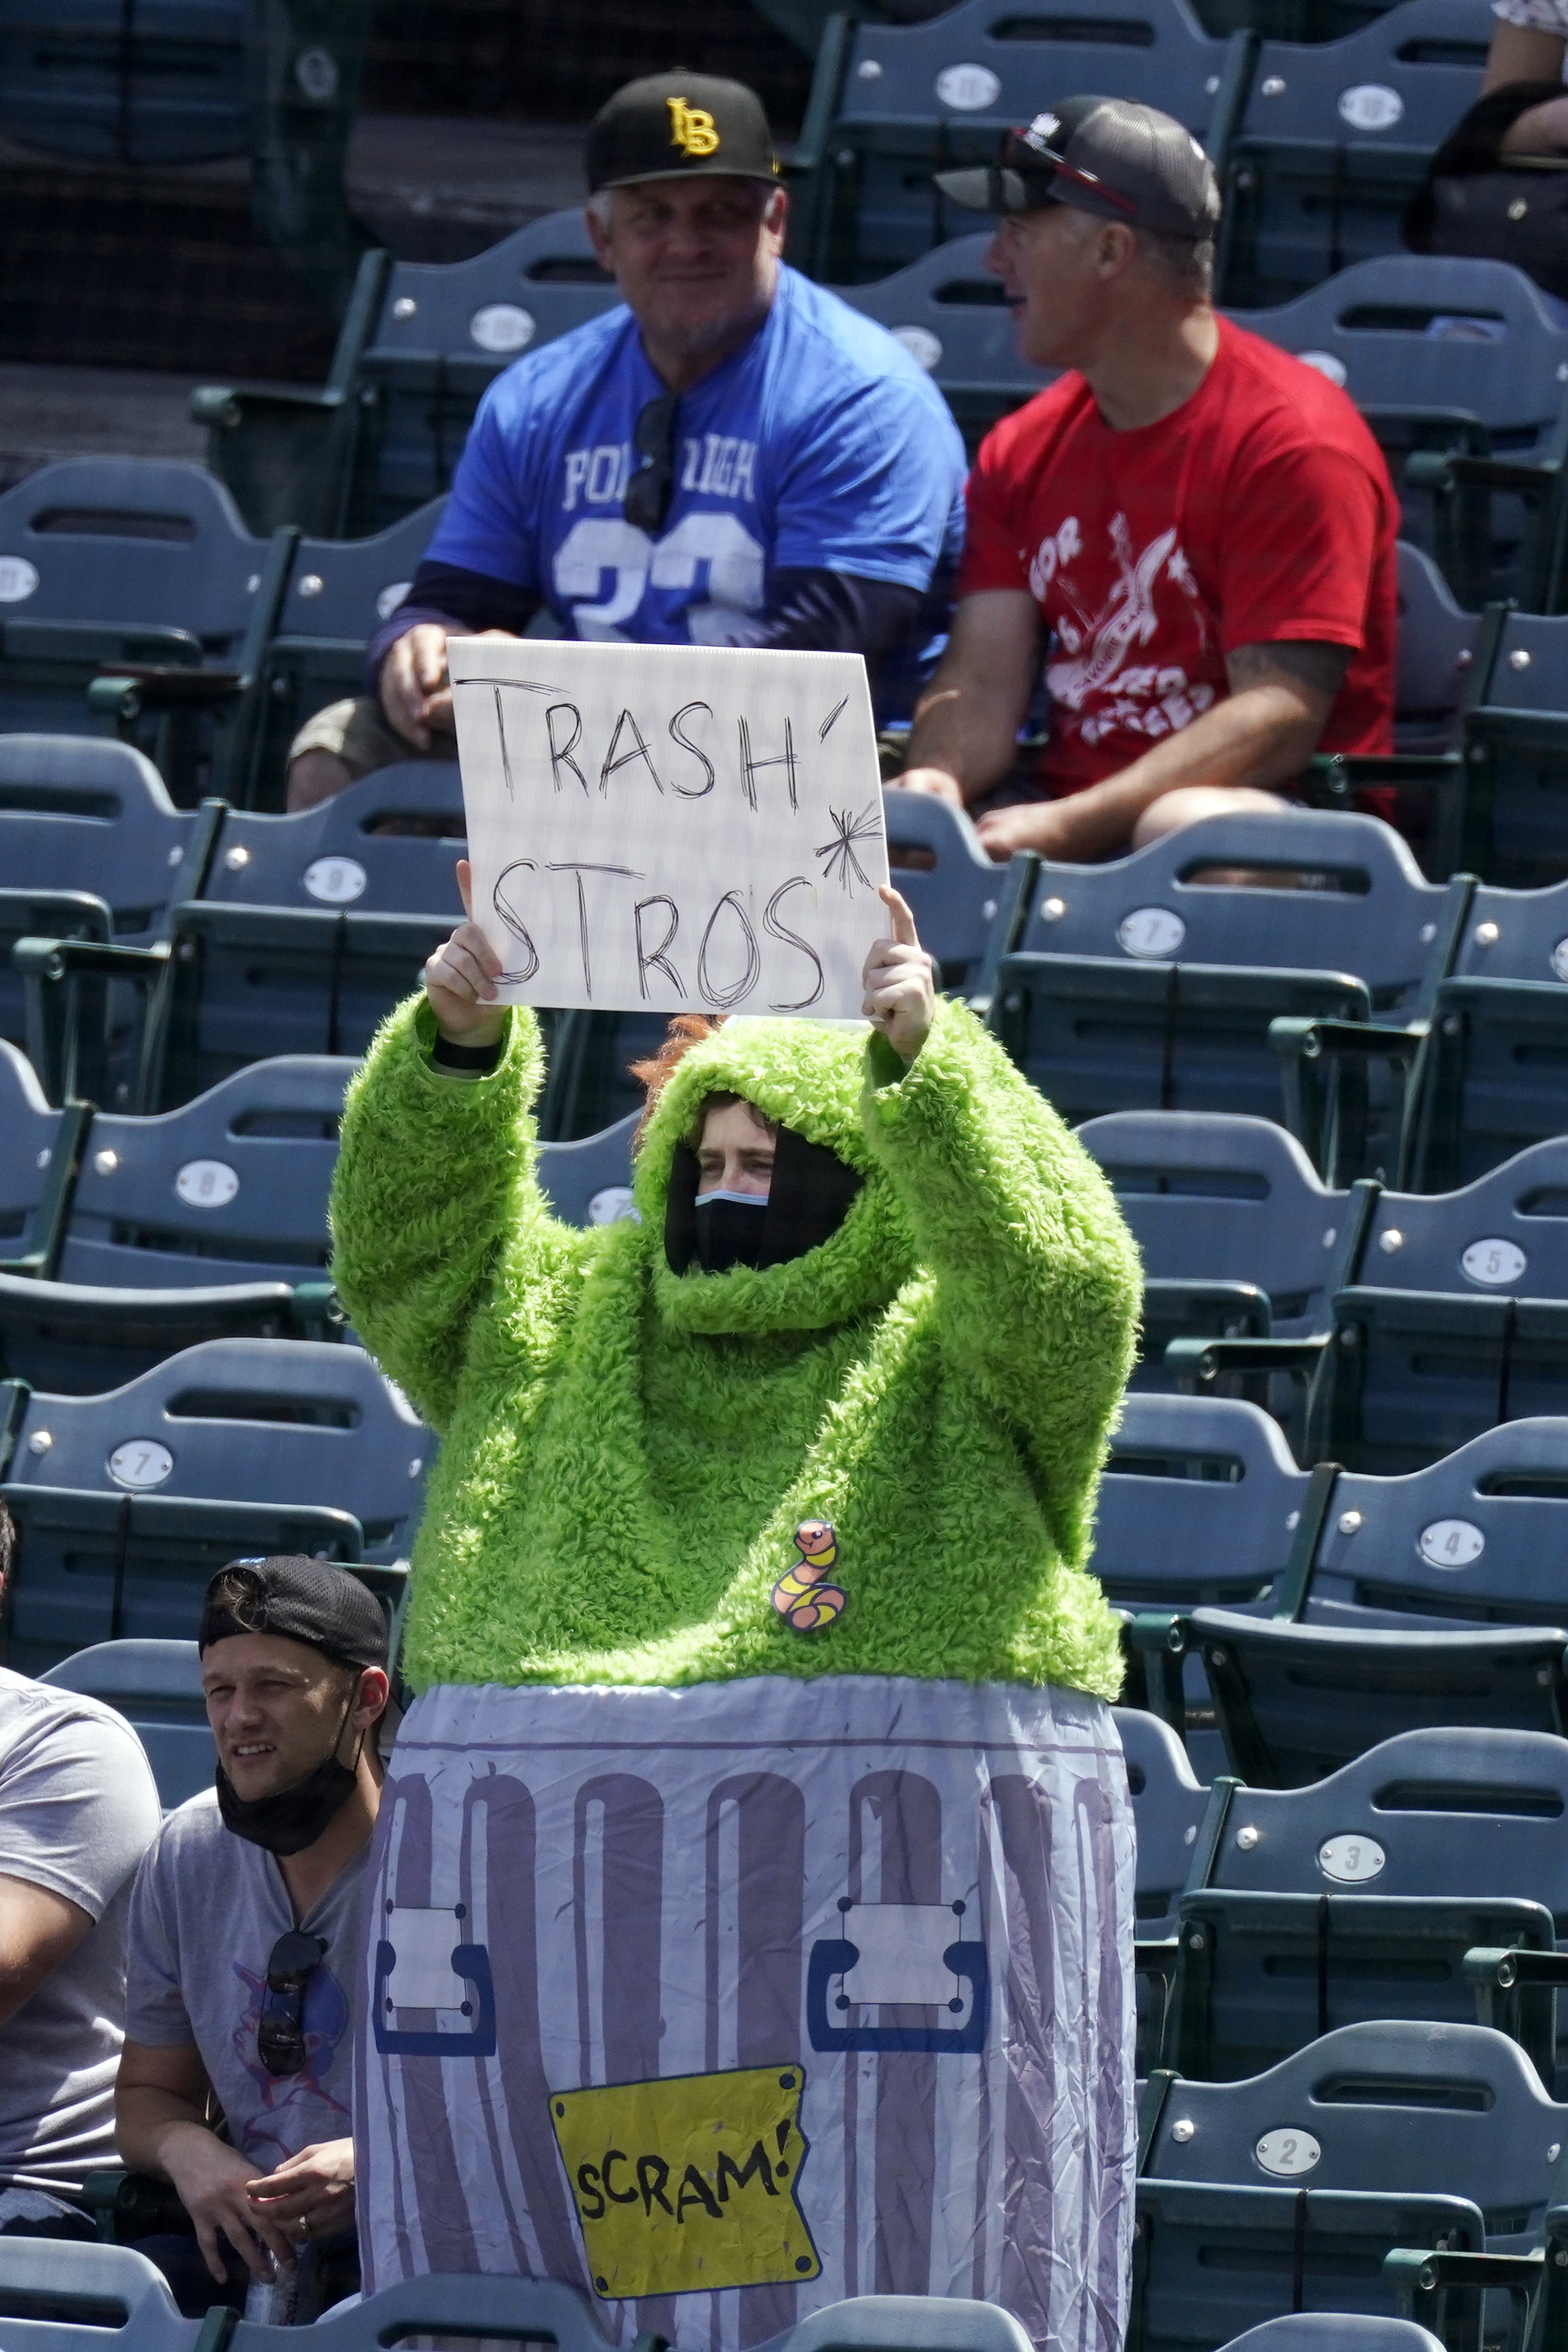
x: 1320, y: 667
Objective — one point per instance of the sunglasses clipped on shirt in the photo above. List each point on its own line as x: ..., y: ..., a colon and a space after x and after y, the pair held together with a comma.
x: 281, y: 2027
x: 652, y: 487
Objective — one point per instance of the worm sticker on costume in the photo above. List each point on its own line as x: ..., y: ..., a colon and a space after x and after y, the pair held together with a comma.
x: 803, y: 1595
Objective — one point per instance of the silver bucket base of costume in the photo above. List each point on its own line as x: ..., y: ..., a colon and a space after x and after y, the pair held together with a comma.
x: 725, y: 2003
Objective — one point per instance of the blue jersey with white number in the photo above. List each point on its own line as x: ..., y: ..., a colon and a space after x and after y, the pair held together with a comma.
x: 819, y: 444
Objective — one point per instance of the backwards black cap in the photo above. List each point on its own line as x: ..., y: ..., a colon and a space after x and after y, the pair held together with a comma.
x: 1103, y: 156
x: 679, y: 126
x: 308, y: 1601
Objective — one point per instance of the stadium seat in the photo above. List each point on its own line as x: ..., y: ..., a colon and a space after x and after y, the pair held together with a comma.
x: 1494, y: 1073
x: 957, y: 894
x: 339, y: 594
x: 1438, y: 352
x: 1168, y: 1805
x: 207, y: 1223
x: 1291, y: 2189
x: 1420, y: 1881
x: 419, y: 343
x: 308, y: 931
x: 950, y: 315
x: 588, y: 1182
x: 126, y: 1503
x: 1137, y: 985
x: 157, y: 1686
x: 905, y: 100
x: 1408, y: 1603
x: 1237, y: 1234
x: 39, y: 1151
x: 91, y: 847
x: 137, y: 573
x: 1333, y: 142
x: 1447, y: 1314
x: 588, y: 1084
x: 1516, y: 754
x: 59, y: 2296
x: 1335, y: 2331
x: 163, y: 82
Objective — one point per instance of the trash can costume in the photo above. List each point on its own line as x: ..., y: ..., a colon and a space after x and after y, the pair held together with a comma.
x: 752, y: 1890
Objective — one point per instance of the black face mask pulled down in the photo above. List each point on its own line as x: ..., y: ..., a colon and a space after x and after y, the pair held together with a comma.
x: 810, y: 1195
x: 292, y: 1818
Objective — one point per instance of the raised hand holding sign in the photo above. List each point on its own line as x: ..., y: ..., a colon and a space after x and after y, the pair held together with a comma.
x: 677, y: 827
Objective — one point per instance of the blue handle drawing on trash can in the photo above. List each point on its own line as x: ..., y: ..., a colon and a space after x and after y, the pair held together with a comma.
x: 899, y: 1958
x: 469, y: 1965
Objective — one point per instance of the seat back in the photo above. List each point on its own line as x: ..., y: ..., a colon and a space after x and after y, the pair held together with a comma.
x: 1472, y: 1538
x: 1376, y: 2136
x: 387, y: 845
x: 1350, y: 899
x: 951, y: 316
x: 447, y: 329
x: 232, y: 1187
x: 1333, y: 142
x: 588, y: 1182
x: 1435, y: 648
x: 1168, y: 1803
x: 954, y: 889
x: 339, y: 594
x: 83, y: 813
x: 143, y: 544
x: 941, y: 91
x: 249, y: 1420
x: 1359, y: 1895
x: 1408, y: 331
x: 157, y: 1688
x: 167, y: 84
x: 253, y: 981
x: 1494, y: 1076
x: 28, y: 1130
x: 64, y: 2296
x: 1450, y: 1811
x: 1217, y: 1198
x: 1351, y: 2101
x: 1516, y: 741
x: 1335, y: 2331
x: 1199, y: 1501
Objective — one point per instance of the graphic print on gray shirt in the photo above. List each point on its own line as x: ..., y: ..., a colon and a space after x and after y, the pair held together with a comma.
x: 207, y: 1909
x: 78, y: 1807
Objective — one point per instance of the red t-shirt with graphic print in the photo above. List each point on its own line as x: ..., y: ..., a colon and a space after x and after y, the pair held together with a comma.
x: 1259, y: 511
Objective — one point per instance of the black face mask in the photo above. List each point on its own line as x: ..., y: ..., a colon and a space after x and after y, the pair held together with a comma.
x: 729, y: 1230
x: 292, y: 1818
x: 810, y: 1196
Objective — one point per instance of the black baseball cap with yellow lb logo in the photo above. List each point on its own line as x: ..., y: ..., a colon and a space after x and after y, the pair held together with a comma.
x: 678, y: 126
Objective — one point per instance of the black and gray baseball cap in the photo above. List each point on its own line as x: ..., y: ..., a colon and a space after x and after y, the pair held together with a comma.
x: 1103, y: 156
x: 308, y: 1601
x: 679, y: 126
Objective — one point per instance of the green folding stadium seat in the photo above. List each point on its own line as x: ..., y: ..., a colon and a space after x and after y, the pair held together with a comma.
x: 1293, y: 2189
x: 1422, y: 1880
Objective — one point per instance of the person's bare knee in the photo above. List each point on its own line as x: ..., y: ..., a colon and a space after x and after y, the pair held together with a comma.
x: 314, y: 777
x: 1190, y: 803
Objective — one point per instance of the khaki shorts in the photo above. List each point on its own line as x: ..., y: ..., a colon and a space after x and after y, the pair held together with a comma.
x: 356, y: 732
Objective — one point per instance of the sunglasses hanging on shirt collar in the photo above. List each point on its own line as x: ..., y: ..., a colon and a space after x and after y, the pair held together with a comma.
x: 281, y: 2027
x: 652, y: 487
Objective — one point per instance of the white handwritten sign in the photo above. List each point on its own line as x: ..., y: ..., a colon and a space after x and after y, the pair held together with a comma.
x: 684, y: 828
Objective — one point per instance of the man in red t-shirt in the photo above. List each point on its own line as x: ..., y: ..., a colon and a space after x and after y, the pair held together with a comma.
x: 1196, y: 530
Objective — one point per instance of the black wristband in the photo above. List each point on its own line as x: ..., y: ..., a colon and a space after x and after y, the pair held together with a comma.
x: 444, y: 1055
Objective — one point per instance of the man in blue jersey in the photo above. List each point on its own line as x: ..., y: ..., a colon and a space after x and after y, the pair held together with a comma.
x: 732, y: 456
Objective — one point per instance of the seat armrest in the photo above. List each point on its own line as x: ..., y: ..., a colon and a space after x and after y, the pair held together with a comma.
x: 1294, y: 1038
x: 1501, y: 1970
x: 1205, y: 1361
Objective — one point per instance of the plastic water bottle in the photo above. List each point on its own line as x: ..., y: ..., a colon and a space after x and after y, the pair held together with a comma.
x: 270, y: 2301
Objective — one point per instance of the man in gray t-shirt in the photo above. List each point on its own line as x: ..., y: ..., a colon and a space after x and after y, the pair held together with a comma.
x: 78, y: 1808
x: 246, y: 1927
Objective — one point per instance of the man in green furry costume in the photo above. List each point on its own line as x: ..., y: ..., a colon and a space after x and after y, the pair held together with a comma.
x: 637, y: 1454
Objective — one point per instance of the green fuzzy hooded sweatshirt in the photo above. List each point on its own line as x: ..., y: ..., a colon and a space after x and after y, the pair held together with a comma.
x: 626, y: 1452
